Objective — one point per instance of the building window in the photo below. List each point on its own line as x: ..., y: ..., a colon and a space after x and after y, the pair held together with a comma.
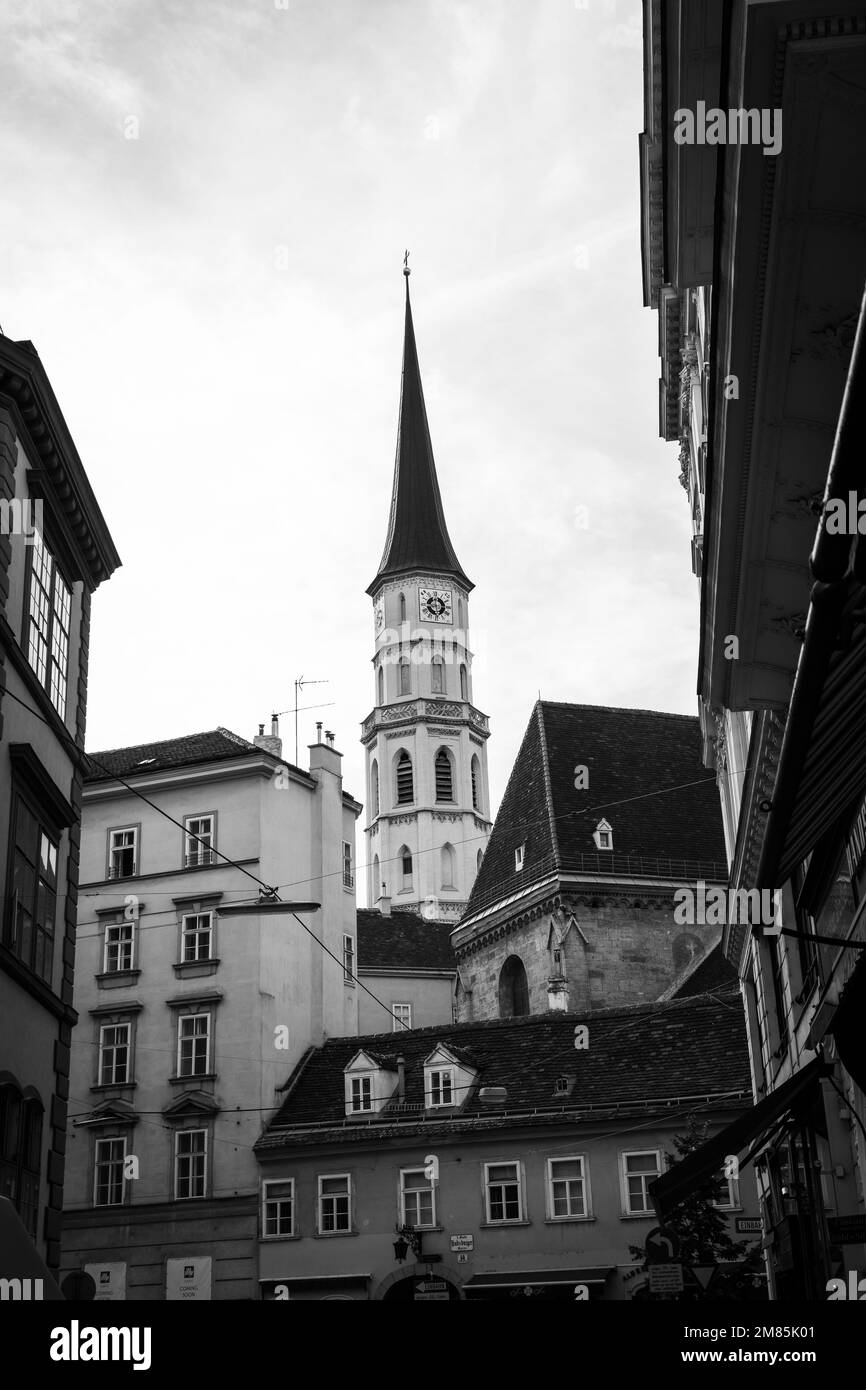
x: 193, y: 1045
x: 518, y: 858
x: 119, y: 949
x: 405, y: 781
x: 513, y: 989
x: 21, y: 1154
x: 729, y: 1193
x: 362, y: 1093
x: 567, y: 1188
x: 335, y: 1205
x: 381, y: 680
x: 638, y: 1170
x: 463, y: 684
x: 417, y: 1198
x: 115, y: 1054
x: 278, y: 1208
x: 478, y: 858
x: 402, y: 608
x: 190, y: 1164
x: 502, y: 1190
x: 378, y: 888
x: 440, y: 1087
x: 48, y: 628
x: 807, y: 948
x: 122, y: 852
x: 33, y: 904
x: 374, y: 787
x: 405, y: 858
x: 198, y: 843
x: 348, y: 958
x: 447, y: 866
x: 475, y: 772
x: 197, y: 936
x: 108, y: 1183
x: 437, y: 676
x: 444, y: 779
x: 348, y: 875
x: 405, y: 676
x: 401, y: 1017
x: 603, y: 835
x: 777, y: 967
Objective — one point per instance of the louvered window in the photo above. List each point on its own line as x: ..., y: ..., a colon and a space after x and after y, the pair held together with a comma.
x: 405, y: 784
x: 444, y: 787
x: 476, y: 777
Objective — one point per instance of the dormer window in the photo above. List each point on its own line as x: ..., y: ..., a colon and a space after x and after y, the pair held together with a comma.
x: 362, y: 1098
x: 370, y: 1082
x: 563, y: 1085
x: 603, y: 835
x: 441, y: 1087
x: 518, y: 858
x: 448, y: 1078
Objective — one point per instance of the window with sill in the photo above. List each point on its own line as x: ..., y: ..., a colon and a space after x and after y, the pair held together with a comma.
x: 417, y: 1199
x: 567, y: 1188
x: 348, y: 873
x: 503, y: 1193
x: 199, y: 841
x: 603, y: 835
x: 335, y: 1203
x: 108, y: 1179
x: 278, y: 1208
x: 32, y: 907
x: 49, y: 615
x: 196, y: 932
x: 115, y: 1054
x: 362, y: 1094
x: 638, y: 1169
x: 190, y: 1164
x: 440, y: 1088
x: 348, y: 959
x: 404, y: 859
x: 123, y: 852
x: 729, y: 1192
x: 119, y: 946
x: 401, y: 1017
x: 193, y: 1044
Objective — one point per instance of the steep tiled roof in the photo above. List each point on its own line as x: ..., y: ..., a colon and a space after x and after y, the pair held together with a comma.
x: 417, y: 535
x: 403, y: 941
x: 643, y: 766
x: 212, y: 746
x: 714, y: 972
x: 639, y: 1055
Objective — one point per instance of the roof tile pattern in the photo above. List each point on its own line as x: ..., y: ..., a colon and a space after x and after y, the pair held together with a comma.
x: 213, y: 746
x: 403, y: 941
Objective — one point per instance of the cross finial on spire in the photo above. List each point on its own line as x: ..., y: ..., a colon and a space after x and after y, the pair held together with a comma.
x: 406, y: 270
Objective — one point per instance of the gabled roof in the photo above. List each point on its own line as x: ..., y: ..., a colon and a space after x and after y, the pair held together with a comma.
x: 637, y: 1055
x: 213, y: 746
x: 645, y: 778
x: 402, y: 941
x: 417, y: 535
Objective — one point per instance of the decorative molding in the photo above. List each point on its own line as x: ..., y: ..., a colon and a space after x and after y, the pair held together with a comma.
x: 448, y: 815
x: 403, y: 820
x: 393, y: 712
x: 442, y: 709
x: 449, y: 732
x: 685, y: 461
x: 473, y: 738
x: 400, y: 733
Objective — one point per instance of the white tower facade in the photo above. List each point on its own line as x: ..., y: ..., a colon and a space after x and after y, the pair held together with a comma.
x: 428, y: 803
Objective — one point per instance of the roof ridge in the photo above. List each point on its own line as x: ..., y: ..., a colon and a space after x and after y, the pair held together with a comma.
x: 548, y: 790
x: 163, y: 742
x: 621, y: 709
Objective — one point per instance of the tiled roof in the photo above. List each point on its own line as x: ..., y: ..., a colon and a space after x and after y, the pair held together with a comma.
x: 643, y: 766
x: 417, y: 535
x: 639, y: 1055
x: 714, y: 972
x: 212, y: 746
x: 403, y: 941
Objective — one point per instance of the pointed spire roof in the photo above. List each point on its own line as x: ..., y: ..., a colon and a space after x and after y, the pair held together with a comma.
x: 417, y: 535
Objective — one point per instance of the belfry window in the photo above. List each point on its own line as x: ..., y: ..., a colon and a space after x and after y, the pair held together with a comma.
x: 463, y: 684
x: 475, y: 769
x: 405, y: 780
x: 444, y: 779
x: 405, y: 676
x: 437, y: 676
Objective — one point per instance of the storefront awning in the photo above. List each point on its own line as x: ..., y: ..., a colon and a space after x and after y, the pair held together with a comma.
x: 681, y: 1180
x: 519, y: 1278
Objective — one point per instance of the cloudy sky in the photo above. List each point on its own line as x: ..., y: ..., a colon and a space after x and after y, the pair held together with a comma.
x: 204, y: 216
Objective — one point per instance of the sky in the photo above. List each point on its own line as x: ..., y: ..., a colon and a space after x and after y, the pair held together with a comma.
x: 205, y: 210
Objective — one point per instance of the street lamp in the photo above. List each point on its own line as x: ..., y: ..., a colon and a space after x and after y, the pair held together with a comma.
x: 407, y: 1238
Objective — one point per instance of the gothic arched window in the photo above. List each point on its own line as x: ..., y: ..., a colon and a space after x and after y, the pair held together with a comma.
x: 513, y: 989
x: 437, y: 676
x: 404, y: 868
x: 374, y: 787
x: 444, y: 776
x: 405, y: 780
x: 447, y: 866
x: 460, y: 613
x: 405, y: 676
x: 478, y: 858
x: 402, y: 608
x: 475, y: 769
x: 378, y: 888
x: 463, y: 685
x: 381, y: 685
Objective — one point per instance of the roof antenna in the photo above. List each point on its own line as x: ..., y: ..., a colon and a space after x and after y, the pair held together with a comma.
x: 406, y: 271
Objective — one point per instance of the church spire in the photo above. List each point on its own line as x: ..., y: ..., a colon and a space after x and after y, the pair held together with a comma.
x: 417, y: 535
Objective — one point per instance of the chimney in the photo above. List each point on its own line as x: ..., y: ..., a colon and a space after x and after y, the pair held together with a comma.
x: 271, y: 743
x: 401, y: 1079
x: 318, y: 731
x: 383, y: 903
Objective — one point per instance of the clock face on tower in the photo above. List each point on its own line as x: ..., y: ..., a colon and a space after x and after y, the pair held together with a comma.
x: 435, y: 605
x: 379, y: 615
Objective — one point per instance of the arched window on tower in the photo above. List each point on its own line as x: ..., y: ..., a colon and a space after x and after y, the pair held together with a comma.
x: 405, y: 676
x: 405, y: 780
x: 402, y: 608
x: 444, y: 776
x: 478, y: 858
x: 463, y: 686
x: 404, y: 869
x: 475, y: 770
x: 374, y: 787
x: 380, y: 685
x: 447, y: 866
x: 437, y: 676
x: 460, y: 612
x: 378, y: 887
x: 513, y: 989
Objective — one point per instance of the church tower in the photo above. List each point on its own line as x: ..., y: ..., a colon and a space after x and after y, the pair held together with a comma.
x: 428, y: 805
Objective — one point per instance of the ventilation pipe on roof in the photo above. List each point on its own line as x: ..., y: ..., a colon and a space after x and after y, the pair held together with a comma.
x: 271, y: 743
x: 401, y: 1079
x: 493, y: 1095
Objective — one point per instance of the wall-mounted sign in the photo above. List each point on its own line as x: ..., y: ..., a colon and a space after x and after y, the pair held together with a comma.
x: 188, y: 1278
x: 110, y: 1281
x: 666, y: 1278
x: 436, y: 1289
x: 462, y: 1242
x: 847, y: 1230
x: 743, y: 1224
